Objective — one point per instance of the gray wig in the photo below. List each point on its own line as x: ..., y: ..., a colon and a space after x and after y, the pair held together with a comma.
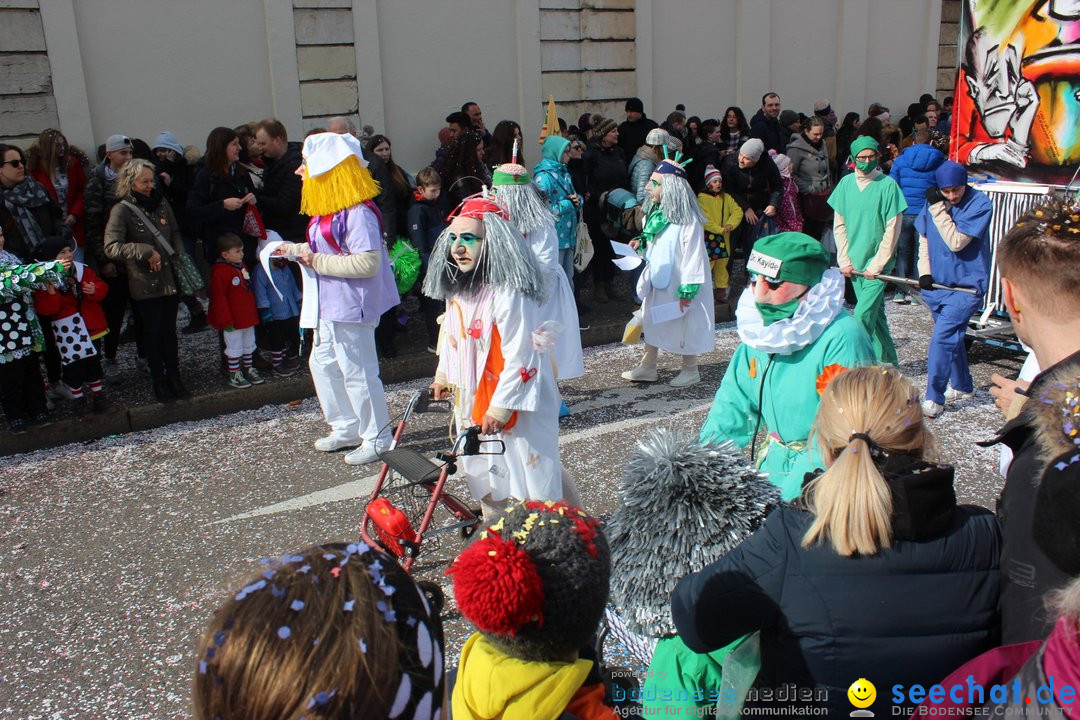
x: 683, y: 505
x: 505, y: 260
x: 524, y: 205
x: 678, y: 201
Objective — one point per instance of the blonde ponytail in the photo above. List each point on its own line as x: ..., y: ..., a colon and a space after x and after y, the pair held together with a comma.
x: 863, y: 411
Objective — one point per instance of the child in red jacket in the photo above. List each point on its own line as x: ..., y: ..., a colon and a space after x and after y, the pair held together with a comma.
x: 78, y: 323
x: 233, y: 311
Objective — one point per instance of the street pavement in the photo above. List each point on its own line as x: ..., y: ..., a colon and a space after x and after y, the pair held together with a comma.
x: 114, y: 553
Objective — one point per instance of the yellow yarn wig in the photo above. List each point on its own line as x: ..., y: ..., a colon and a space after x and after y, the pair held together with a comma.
x: 346, y: 184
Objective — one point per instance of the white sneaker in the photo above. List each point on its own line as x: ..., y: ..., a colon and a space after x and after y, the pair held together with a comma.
x: 366, y: 453
x: 931, y: 409
x: 686, y: 378
x: 640, y: 374
x: 333, y: 442
x: 953, y: 395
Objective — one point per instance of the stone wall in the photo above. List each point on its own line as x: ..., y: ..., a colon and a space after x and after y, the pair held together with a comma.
x: 27, y: 105
x: 948, y: 58
x: 588, y: 55
x: 326, y: 60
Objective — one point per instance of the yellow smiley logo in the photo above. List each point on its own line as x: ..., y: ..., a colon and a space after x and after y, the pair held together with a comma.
x: 862, y: 693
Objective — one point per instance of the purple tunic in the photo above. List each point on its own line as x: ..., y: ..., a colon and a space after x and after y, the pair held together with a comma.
x: 356, y: 229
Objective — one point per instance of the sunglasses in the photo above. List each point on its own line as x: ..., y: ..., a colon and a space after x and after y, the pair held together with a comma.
x: 13, y: 163
x: 772, y: 285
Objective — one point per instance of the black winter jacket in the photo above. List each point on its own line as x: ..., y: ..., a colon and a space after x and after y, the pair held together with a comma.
x: 100, y: 198
x: 1026, y: 573
x: 206, y: 207
x: 605, y: 169
x: 181, y: 177
x: 50, y: 218
x: 632, y: 136
x: 754, y: 188
x: 770, y: 132
x: 909, y: 614
x: 279, y: 197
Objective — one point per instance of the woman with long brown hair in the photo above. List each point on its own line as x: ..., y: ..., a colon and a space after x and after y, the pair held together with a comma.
x: 61, y: 169
x: 221, y: 194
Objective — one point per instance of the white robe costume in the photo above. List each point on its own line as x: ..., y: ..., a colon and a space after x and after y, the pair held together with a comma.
x: 677, y: 256
x: 530, y: 467
x: 560, y: 306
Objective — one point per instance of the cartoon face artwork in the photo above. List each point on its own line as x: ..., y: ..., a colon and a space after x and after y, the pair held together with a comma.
x: 467, y: 242
x: 994, y: 83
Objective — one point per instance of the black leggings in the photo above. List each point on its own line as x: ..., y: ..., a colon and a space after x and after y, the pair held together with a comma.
x: 22, y: 393
x: 159, y: 335
x: 114, y: 305
x: 83, y: 370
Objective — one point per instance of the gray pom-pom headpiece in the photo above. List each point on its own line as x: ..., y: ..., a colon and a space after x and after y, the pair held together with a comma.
x: 683, y: 506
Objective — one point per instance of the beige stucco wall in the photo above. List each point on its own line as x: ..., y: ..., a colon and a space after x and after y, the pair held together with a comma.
x: 141, y: 66
x: 153, y: 65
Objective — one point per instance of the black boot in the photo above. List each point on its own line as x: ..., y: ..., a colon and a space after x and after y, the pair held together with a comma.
x: 162, y: 391
x: 196, y: 324
x: 177, y: 388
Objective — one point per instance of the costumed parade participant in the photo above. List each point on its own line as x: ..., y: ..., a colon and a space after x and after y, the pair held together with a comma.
x: 493, y: 354
x: 869, y: 209
x: 534, y: 585
x: 530, y: 214
x: 795, y: 336
x: 354, y: 287
x: 677, y: 302
x: 954, y: 250
x: 697, y: 502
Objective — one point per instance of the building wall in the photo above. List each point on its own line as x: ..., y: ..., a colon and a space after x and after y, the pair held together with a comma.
x: 96, y: 67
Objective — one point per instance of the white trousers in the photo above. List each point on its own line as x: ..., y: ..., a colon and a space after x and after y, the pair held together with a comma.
x: 239, y: 342
x: 345, y: 370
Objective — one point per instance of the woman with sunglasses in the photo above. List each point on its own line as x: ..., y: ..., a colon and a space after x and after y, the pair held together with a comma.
x: 795, y: 336
x: 28, y: 214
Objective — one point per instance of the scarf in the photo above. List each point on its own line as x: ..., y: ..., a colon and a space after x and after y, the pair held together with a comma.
x: 19, y: 201
x: 655, y: 223
x: 811, y: 143
x: 815, y: 313
x: 150, y: 202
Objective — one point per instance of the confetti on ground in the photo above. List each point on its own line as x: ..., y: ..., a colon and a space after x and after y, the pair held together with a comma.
x: 115, y: 552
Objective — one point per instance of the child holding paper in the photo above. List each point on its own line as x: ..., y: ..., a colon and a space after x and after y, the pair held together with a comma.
x: 278, y: 300
x: 677, y: 305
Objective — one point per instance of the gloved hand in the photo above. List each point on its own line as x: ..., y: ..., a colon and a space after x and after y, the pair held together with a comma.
x: 933, y: 195
x: 265, y: 315
x: 926, y: 282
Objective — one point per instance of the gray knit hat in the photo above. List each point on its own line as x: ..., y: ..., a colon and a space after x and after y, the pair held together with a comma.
x: 535, y: 581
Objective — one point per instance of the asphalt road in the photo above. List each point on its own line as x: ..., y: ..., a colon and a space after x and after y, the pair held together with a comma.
x: 114, y: 553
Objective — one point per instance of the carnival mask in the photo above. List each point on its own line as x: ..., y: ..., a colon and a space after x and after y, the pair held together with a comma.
x: 466, y: 242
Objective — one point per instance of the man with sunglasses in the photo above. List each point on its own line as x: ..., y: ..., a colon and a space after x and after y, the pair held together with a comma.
x: 869, y: 209
x: 796, y: 335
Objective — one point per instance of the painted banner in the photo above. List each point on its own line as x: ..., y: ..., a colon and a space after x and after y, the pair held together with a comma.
x: 1017, y: 101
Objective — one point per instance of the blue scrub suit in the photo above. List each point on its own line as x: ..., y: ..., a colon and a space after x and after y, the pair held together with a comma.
x: 969, y: 268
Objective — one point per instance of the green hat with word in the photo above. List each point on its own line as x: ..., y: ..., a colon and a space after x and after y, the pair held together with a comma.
x: 788, y: 257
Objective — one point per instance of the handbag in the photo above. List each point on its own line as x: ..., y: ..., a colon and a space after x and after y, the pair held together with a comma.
x: 815, y: 206
x: 583, y: 248
x: 253, y: 223
x: 188, y: 277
